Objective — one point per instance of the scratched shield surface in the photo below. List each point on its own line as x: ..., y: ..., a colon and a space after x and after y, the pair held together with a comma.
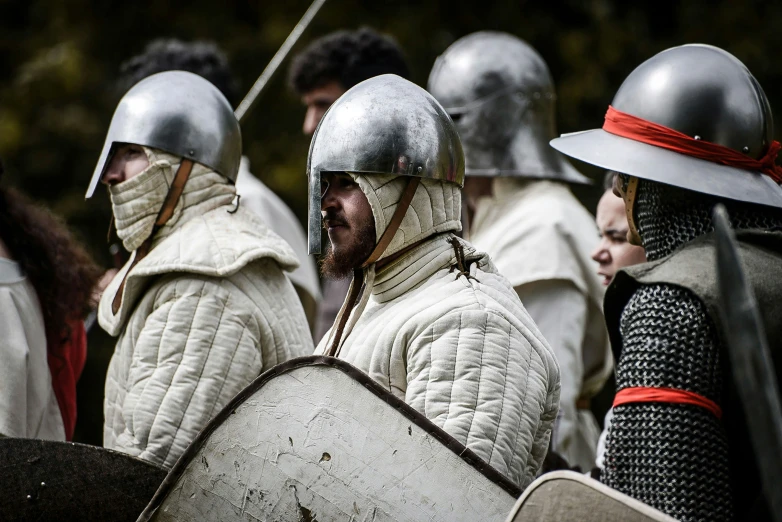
x: 566, y: 496
x: 317, y: 440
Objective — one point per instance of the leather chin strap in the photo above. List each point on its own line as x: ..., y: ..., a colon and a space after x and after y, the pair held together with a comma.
x: 358, y: 274
x: 630, y: 194
x: 355, y: 290
x: 166, y: 211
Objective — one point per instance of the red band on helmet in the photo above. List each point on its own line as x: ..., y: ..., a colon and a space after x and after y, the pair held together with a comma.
x: 638, y: 129
x: 670, y: 395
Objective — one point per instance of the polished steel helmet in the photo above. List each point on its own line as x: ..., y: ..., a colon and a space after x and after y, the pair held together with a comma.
x: 499, y: 92
x: 384, y: 125
x: 180, y: 113
x: 705, y: 93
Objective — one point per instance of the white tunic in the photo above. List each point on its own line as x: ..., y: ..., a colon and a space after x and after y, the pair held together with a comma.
x: 28, y: 405
x: 462, y: 351
x: 540, y: 237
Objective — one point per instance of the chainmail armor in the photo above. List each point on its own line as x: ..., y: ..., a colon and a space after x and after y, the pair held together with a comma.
x: 673, y: 457
x: 667, y: 217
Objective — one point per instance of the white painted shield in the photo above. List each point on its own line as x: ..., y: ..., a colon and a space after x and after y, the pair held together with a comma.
x: 566, y: 496
x: 315, y: 439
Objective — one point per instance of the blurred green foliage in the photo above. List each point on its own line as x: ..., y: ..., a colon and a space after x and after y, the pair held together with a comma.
x: 59, y: 58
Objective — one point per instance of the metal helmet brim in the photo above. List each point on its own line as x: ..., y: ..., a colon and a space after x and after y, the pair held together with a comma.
x: 696, y: 92
x: 645, y: 161
x: 566, y: 173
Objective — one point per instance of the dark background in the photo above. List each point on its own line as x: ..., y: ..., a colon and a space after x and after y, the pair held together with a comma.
x: 59, y: 59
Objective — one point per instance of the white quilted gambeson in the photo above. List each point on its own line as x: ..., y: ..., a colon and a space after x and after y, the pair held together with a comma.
x: 459, y: 348
x: 202, y: 315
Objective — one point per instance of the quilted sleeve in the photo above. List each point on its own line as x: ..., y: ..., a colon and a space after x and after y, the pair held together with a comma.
x: 559, y: 309
x: 476, y: 376
x: 197, y: 349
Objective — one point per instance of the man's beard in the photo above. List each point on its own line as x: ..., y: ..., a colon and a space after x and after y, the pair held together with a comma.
x: 340, y: 264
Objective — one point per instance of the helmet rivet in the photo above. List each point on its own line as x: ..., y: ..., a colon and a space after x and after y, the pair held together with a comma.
x: 191, y: 152
x: 29, y: 497
x: 697, y: 137
x: 745, y: 150
x: 43, y: 484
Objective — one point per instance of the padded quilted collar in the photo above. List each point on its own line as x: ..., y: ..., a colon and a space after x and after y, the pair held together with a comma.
x: 418, y: 265
x: 216, y: 244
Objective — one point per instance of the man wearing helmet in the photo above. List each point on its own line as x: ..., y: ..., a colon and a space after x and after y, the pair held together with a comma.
x: 427, y: 315
x: 500, y: 94
x: 207, y: 60
x: 202, y: 307
x: 689, y: 128
x: 320, y: 74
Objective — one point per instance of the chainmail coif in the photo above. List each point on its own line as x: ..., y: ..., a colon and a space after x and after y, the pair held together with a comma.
x: 673, y: 457
x: 667, y: 217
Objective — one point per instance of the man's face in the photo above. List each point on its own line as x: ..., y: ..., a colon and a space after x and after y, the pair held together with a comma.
x: 614, y: 251
x: 128, y: 161
x: 348, y: 219
x: 318, y: 100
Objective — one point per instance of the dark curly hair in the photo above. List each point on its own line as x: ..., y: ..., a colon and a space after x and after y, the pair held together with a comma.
x: 205, y: 59
x: 60, y: 270
x: 347, y: 57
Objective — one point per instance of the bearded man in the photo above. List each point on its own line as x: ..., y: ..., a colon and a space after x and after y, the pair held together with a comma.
x: 427, y: 315
x: 688, y: 129
x: 520, y: 210
x: 319, y: 75
x: 203, y: 306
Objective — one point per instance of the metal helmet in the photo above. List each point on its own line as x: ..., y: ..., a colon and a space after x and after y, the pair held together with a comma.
x: 703, y: 92
x: 500, y: 94
x: 384, y: 125
x: 180, y: 113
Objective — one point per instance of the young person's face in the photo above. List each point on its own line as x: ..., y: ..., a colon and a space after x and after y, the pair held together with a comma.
x: 127, y: 162
x: 347, y: 216
x: 317, y: 101
x: 614, y: 251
